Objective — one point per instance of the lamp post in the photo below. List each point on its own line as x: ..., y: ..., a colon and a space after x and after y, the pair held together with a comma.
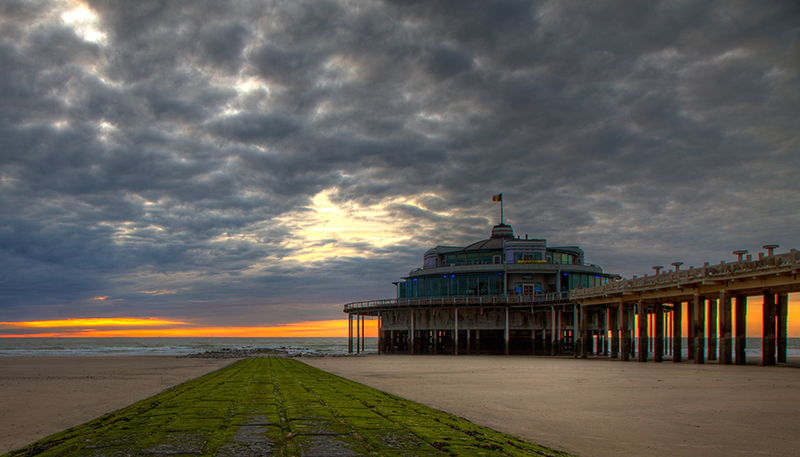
x: 770, y: 249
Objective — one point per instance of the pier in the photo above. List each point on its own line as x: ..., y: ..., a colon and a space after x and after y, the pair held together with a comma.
x: 602, y: 320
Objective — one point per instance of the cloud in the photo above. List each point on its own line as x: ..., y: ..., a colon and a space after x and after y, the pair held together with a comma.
x: 269, y: 161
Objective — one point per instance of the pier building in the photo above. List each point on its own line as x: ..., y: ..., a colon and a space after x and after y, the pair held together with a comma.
x: 501, y: 295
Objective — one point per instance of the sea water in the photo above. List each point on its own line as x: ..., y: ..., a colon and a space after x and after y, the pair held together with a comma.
x: 48, y: 347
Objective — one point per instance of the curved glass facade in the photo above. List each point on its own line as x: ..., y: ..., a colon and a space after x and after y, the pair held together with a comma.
x: 518, y: 266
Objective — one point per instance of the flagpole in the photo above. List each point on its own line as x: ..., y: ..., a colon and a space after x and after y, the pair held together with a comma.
x: 501, y: 209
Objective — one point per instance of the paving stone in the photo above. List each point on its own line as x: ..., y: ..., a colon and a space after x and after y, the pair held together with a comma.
x: 250, y: 441
x: 245, y: 450
x: 329, y: 446
x: 254, y: 419
x: 315, y: 427
x: 177, y: 443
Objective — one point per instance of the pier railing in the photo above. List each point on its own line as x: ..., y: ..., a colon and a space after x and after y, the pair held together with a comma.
x: 764, y: 266
x: 461, y: 300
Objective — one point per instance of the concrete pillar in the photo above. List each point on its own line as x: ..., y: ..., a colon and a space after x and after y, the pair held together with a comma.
x: 712, y: 329
x: 658, y: 344
x: 455, y: 324
x: 358, y: 330
x: 469, y: 342
x: 363, y: 333
x: 741, y: 330
x: 782, y: 314
x: 668, y: 342
x: 725, y: 325
x: 615, y: 331
x: 584, y: 328
x: 576, y: 333
x: 699, y: 329
x: 391, y: 341
x: 506, y: 335
x: 690, y: 337
x: 625, y: 355
x: 606, y: 317
x: 643, y: 337
x: 631, y: 329
x: 411, y: 333
x: 677, y: 338
x: 768, y: 344
x: 552, y: 330
x: 544, y: 341
x: 380, y: 334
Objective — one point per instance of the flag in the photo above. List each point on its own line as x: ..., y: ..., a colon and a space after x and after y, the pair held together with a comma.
x: 497, y: 198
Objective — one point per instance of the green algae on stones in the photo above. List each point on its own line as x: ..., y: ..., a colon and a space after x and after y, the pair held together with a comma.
x: 280, y: 407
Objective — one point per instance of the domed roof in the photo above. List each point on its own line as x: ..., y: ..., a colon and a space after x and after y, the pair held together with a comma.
x: 500, y: 233
x: 485, y: 245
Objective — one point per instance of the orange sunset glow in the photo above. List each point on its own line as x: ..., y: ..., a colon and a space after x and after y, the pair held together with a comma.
x: 137, y: 327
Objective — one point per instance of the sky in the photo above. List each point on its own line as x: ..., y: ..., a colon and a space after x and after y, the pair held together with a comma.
x: 247, y: 167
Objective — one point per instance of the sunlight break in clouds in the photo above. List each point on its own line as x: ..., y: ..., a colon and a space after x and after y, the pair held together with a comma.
x: 328, y: 230
x: 84, y: 22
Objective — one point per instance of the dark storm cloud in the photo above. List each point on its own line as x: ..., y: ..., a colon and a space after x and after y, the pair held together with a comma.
x: 167, y: 154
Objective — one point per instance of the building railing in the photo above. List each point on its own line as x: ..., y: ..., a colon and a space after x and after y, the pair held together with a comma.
x: 515, y: 262
x: 461, y: 300
x: 767, y: 265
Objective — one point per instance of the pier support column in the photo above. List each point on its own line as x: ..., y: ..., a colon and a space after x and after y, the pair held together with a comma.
x: 358, y: 339
x: 690, y: 337
x: 380, y: 334
x: 576, y: 335
x: 552, y: 330
x: 617, y: 312
x: 349, y: 333
x: 658, y: 344
x: 643, y: 337
x: 741, y: 330
x: 411, y: 341
x: 768, y: 344
x: 625, y: 355
x: 455, y: 324
x: 677, y: 338
x: 782, y: 314
x: 391, y: 342
x: 725, y: 324
x: 506, y: 336
x: 712, y: 329
x: 631, y: 329
x: 699, y: 329
x: 584, y: 329
x: 606, y: 318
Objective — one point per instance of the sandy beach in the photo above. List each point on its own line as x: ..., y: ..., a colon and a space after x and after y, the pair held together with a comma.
x: 45, y: 395
x: 590, y: 407
x: 601, y: 407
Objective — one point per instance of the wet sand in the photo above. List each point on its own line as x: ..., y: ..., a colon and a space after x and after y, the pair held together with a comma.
x: 40, y: 396
x: 600, y: 407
